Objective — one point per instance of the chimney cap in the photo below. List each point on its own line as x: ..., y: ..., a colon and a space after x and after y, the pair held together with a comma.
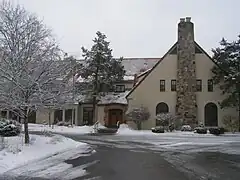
x: 188, y: 19
x: 182, y: 20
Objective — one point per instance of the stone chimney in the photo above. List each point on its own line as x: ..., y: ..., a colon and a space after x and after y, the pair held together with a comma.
x: 186, y: 107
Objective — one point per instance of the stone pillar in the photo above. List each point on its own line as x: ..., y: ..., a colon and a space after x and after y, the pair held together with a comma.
x: 186, y: 106
x: 63, y: 115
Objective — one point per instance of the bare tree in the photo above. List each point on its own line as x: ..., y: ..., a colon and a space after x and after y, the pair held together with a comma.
x: 138, y: 115
x: 165, y: 119
x: 29, y: 64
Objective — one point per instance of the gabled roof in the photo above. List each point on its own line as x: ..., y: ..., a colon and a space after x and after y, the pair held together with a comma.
x: 172, y: 50
x: 148, y: 72
x: 144, y: 73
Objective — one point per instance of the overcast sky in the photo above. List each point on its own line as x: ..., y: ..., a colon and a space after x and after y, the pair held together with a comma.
x: 136, y: 28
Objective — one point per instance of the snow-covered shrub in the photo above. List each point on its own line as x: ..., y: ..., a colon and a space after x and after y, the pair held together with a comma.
x: 138, y: 115
x: 231, y: 123
x: 45, y: 122
x: 201, y: 130
x: 186, y: 128
x: 107, y: 130
x: 158, y: 129
x: 166, y: 120
x: 9, y: 128
x: 215, y: 131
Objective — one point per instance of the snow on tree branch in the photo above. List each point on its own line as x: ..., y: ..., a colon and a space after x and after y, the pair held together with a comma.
x: 138, y: 114
x: 30, y: 63
x: 165, y: 118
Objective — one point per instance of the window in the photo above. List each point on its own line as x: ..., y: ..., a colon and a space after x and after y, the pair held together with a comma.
x: 173, y: 85
x: 87, y: 116
x: 162, y: 85
x: 199, y: 85
x: 120, y: 88
x: 210, y: 85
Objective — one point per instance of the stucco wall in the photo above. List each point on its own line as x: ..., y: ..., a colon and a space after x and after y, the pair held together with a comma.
x: 203, y: 72
x: 148, y: 92
x: 100, y: 114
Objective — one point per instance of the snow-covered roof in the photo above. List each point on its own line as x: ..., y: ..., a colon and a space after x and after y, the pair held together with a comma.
x: 109, y: 98
x: 135, y: 65
x: 114, y: 98
x: 128, y: 78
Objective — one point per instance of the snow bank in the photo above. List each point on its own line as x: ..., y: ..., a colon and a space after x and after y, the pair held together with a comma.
x: 124, y: 129
x: 62, y: 129
x: 16, y: 153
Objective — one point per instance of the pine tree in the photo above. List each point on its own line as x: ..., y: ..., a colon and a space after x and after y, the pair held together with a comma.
x: 227, y: 73
x: 100, y: 68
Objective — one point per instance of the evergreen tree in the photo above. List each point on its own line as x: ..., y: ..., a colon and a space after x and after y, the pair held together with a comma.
x: 100, y: 68
x: 227, y: 73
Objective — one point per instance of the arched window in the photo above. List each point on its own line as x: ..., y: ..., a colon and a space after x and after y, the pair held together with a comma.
x: 211, y: 114
x: 162, y: 108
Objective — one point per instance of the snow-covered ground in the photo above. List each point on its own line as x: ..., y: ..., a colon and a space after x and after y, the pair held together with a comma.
x: 15, y: 154
x: 168, y: 141
x: 182, y: 141
x: 61, y: 129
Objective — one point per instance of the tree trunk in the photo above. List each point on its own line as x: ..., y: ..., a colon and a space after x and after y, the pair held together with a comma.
x: 94, y: 108
x: 26, y: 126
x: 139, y: 125
x: 49, y: 118
x: 2, y: 143
x: 95, y: 93
x: 239, y: 110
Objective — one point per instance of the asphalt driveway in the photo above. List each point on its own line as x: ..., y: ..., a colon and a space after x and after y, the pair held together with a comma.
x: 130, y: 157
x: 118, y: 159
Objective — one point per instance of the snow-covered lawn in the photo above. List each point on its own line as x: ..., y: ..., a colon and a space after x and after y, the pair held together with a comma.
x: 15, y: 153
x: 61, y: 129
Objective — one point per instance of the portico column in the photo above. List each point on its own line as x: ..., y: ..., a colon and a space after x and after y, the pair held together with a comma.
x: 8, y: 114
x: 76, y: 115
x: 63, y: 115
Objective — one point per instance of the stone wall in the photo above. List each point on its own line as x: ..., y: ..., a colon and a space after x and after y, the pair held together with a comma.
x: 186, y: 106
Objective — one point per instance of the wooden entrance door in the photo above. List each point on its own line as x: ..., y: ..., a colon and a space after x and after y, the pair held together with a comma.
x: 114, y: 116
